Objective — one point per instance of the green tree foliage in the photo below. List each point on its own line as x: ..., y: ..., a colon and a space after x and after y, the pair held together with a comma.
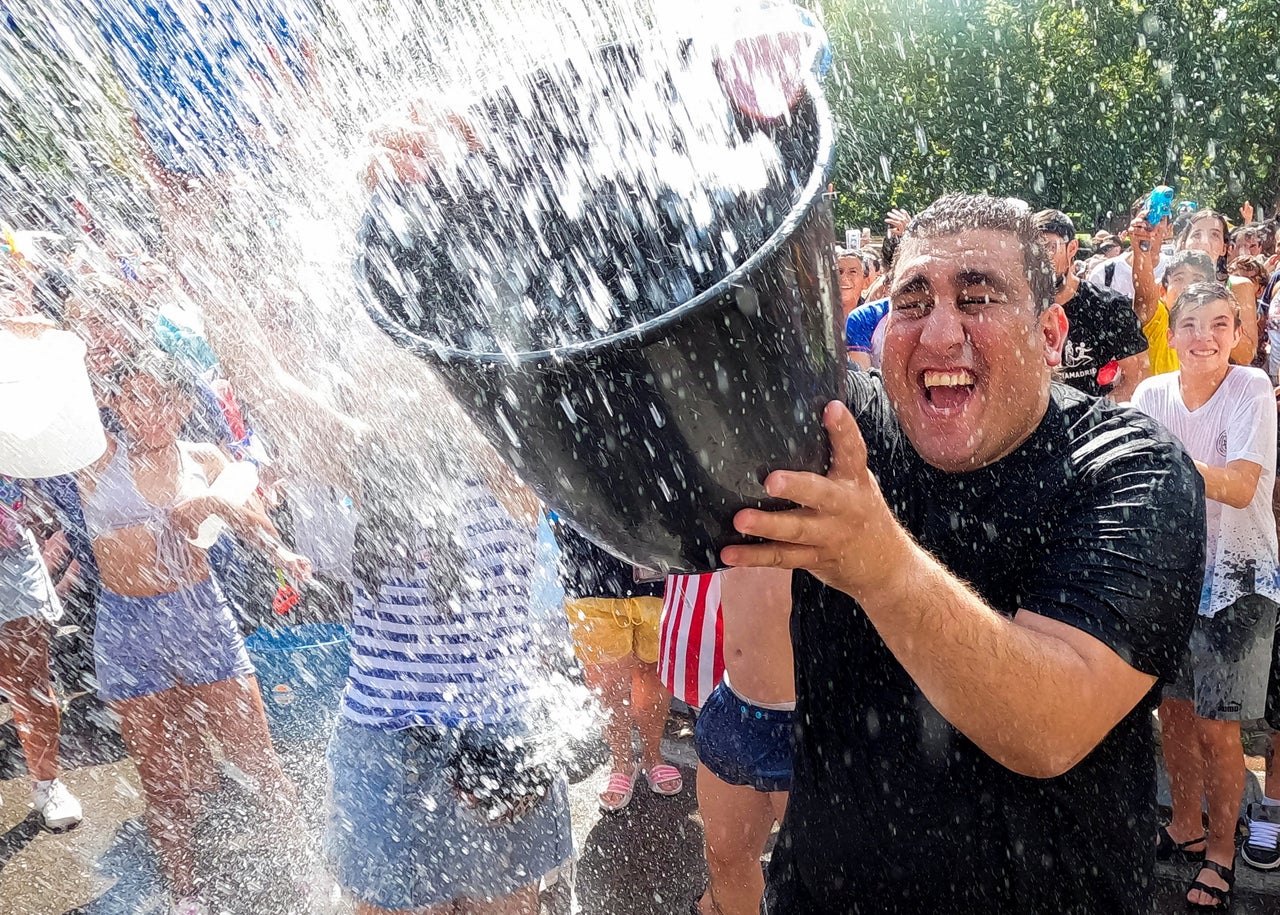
x: 1082, y: 105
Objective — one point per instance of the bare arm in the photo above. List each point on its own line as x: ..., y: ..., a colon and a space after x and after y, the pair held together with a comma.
x: 1035, y: 694
x: 249, y: 521
x: 310, y: 432
x: 1233, y: 485
x: 1247, y: 348
x: 1146, y: 291
x: 1133, y: 369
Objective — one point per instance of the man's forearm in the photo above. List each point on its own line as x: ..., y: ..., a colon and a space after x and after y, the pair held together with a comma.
x: 1029, y: 699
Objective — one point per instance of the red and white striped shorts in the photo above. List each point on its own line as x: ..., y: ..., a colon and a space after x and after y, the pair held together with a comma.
x: 691, y: 637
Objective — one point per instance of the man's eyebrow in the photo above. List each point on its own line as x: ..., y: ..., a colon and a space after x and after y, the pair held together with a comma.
x: 978, y: 278
x: 917, y: 283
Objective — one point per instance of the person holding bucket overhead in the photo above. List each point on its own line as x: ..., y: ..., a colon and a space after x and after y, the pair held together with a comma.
x: 169, y: 657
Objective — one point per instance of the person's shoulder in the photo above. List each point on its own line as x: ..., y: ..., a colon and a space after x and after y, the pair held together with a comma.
x: 1103, y: 436
x: 1155, y: 385
x: 866, y: 391
x: 1106, y: 298
x: 862, y: 322
x: 1250, y: 380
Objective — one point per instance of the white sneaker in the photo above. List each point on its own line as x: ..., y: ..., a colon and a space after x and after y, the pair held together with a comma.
x: 56, y: 805
x: 189, y: 905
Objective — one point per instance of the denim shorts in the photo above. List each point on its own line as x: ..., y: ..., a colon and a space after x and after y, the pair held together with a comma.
x: 743, y: 744
x: 398, y: 837
x: 144, y: 645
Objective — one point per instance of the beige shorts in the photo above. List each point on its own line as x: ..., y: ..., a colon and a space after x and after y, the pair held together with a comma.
x: 610, y: 629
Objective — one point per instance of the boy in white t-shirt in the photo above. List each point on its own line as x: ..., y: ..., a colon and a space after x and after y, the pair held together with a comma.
x: 1225, y: 416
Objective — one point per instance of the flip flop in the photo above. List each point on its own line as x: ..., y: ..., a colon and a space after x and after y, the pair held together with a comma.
x: 622, y: 784
x: 664, y: 775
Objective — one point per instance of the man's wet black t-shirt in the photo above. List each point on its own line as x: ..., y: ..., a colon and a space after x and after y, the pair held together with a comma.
x: 1097, y: 521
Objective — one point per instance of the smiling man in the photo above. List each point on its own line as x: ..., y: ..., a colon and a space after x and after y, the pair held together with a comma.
x: 999, y: 572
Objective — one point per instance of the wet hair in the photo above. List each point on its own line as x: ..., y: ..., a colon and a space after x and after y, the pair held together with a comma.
x: 1199, y: 216
x: 1104, y: 240
x: 1055, y: 222
x: 1248, y: 230
x: 955, y: 213
x: 1251, y: 267
x: 406, y: 515
x: 106, y: 294
x: 889, y: 250
x: 1198, y: 295
x: 157, y: 364
x: 1198, y: 261
x: 1269, y: 230
x: 870, y: 262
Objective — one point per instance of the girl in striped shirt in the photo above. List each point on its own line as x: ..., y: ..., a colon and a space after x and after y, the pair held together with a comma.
x: 443, y: 792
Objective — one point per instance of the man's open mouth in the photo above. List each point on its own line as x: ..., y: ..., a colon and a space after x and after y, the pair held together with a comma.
x: 948, y: 391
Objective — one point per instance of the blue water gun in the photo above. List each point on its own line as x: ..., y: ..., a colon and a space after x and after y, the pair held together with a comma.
x: 1159, y: 205
x: 1159, y: 208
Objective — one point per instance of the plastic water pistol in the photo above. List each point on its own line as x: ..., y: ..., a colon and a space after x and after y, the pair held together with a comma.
x: 287, y: 596
x: 1159, y: 205
x: 1159, y: 208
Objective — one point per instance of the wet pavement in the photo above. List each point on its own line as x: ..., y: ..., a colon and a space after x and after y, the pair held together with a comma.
x: 646, y: 860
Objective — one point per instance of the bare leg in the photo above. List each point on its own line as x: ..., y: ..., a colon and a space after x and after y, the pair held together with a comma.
x: 232, y: 711
x: 1224, y: 790
x: 24, y: 678
x: 736, y: 821
x: 190, y: 743
x: 650, y: 703
x: 1180, y: 738
x: 145, y: 724
x: 611, y: 681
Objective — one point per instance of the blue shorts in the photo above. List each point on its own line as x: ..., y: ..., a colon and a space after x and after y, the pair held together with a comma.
x: 398, y: 838
x: 144, y: 645
x: 743, y: 744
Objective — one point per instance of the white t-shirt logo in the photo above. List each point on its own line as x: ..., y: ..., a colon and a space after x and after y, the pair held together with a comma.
x: 1222, y: 444
x: 1075, y: 355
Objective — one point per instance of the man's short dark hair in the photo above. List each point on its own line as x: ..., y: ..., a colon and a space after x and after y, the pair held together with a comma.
x: 956, y: 213
x: 1248, y: 230
x: 1055, y: 222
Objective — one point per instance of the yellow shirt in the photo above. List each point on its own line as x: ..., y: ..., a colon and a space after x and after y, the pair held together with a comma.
x: 1162, y: 356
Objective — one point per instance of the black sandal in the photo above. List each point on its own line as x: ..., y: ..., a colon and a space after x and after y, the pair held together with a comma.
x: 1169, y: 850
x: 1221, y: 898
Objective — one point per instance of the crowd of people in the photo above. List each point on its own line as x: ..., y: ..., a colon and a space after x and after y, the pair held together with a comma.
x: 1050, y: 513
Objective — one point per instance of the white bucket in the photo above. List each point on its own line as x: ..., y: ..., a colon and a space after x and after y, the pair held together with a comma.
x: 235, y: 484
x: 49, y: 423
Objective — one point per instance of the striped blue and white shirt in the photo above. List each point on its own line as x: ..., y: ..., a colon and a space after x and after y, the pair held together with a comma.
x: 416, y: 661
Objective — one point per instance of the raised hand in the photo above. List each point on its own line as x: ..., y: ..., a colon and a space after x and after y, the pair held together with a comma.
x: 897, y: 220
